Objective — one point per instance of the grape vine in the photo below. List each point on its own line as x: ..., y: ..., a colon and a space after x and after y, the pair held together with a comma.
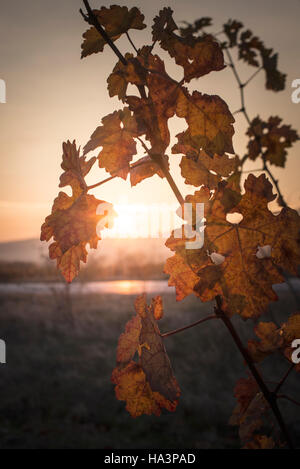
x: 239, y: 262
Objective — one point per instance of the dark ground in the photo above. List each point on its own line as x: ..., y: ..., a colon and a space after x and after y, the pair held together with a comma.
x: 55, y: 387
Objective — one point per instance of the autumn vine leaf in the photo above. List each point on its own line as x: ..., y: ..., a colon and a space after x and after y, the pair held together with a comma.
x: 154, y: 111
x: 250, y: 414
x: 122, y: 75
x: 242, y: 277
x: 198, y: 168
x: 147, y: 169
x: 198, y: 56
x: 116, y: 137
x: 73, y: 220
x: 209, y: 122
x: 247, y: 248
x: 148, y: 385
x: 270, y: 140
x: 116, y: 20
x: 271, y: 338
x: 253, y: 51
x: 260, y: 442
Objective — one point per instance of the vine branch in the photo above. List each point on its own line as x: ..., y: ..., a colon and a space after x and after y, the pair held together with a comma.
x: 113, y: 176
x: 268, y: 395
x: 184, y: 328
x: 92, y: 19
x: 281, y: 200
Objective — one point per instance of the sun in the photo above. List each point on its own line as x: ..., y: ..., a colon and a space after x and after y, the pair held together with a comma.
x: 142, y: 221
x: 126, y: 224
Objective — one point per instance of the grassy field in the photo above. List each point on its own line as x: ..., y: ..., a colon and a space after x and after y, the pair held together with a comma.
x: 56, y: 392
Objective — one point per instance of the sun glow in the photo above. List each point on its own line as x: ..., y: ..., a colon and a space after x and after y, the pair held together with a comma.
x: 142, y: 221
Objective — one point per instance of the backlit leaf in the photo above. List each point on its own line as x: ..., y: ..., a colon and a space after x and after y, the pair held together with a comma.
x: 243, y: 280
x: 197, y: 55
x: 270, y: 140
x: 116, y: 20
x: 209, y: 122
x: 147, y: 169
x: 197, y: 168
x: 253, y: 51
x: 116, y: 137
x: 273, y: 338
x: 148, y: 385
x: 73, y: 220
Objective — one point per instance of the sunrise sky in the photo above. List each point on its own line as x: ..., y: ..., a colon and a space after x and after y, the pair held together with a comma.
x: 53, y: 95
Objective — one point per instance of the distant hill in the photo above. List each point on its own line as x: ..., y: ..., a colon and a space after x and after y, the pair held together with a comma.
x: 33, y: 250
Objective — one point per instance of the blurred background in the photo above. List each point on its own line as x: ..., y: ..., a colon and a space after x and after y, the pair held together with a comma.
x: 55, y: 388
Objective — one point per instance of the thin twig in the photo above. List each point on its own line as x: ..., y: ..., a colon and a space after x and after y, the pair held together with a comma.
x: 240, y: 83
x: 180, y: 329
x: 243, y: 110
x: 131, y: 42
x: 283, y: 379
x: 252, y: 170
x: 253, y: 76
x: 284, y: 396
x: 113, y: 176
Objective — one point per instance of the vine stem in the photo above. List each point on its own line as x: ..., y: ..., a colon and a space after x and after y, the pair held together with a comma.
x: 161, y: 163
x: 92, y: 19
x: 131, y: 42
x: 113, y: 176
x: 243, y: 109
x: 184, y: 328
x: 268, y: 395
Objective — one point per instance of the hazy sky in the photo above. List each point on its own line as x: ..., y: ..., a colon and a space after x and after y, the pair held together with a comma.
x: 53, y: 95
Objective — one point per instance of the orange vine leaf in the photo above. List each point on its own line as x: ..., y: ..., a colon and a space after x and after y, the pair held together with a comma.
x: 270, y: 140
x: 250, y: 413
x: 146, y: 170
x: 73, y: 219
x: 147, y: 385
x: 197, y: 55
x: 209, y: 122
x: 232, y: 262
x: 116, y: 137
x: 198, y: 168
x: 116, y: 20
x: 273, y: 338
